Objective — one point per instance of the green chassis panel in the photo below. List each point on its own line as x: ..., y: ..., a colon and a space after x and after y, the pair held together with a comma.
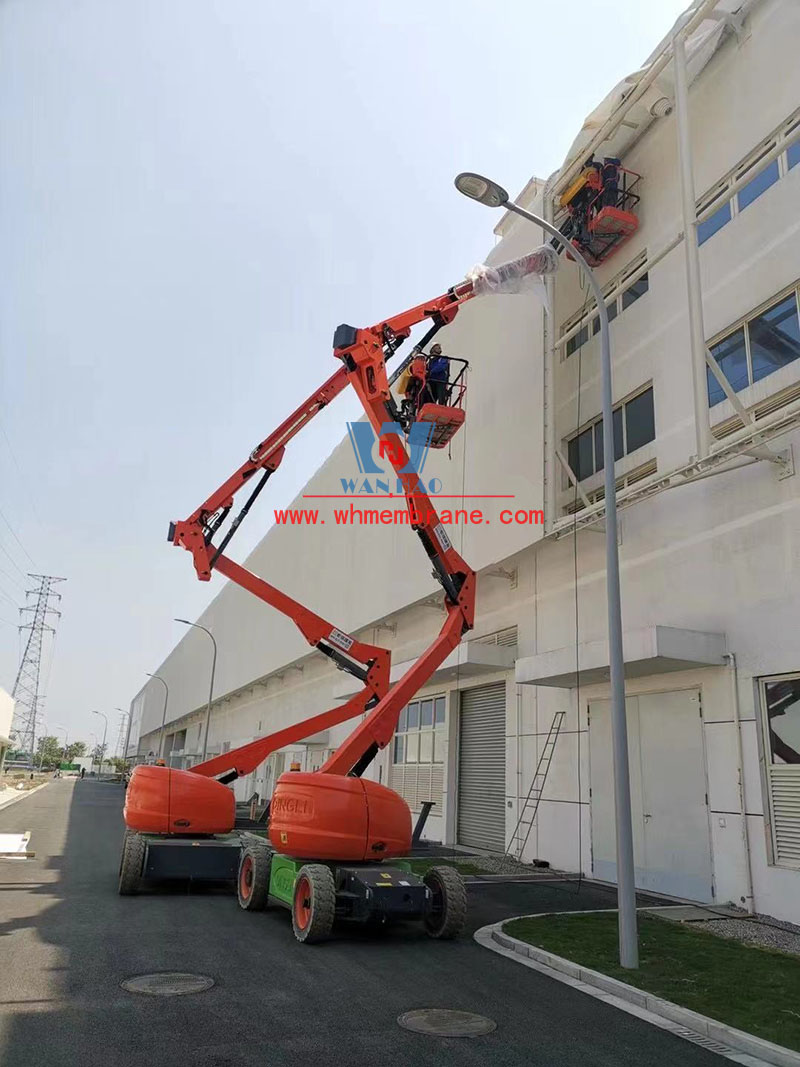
x: 284, y: 871
x: 282, y: 876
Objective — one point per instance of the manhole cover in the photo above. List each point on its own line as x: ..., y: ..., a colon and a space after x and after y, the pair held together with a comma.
x: 168, y: 984
x: 442, y: 1022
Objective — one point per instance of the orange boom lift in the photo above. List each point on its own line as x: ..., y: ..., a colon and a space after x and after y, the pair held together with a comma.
x: 330, y: 830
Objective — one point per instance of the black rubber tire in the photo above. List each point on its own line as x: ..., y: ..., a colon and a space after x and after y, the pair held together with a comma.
x: 447, y: 912
x: 131, y: 863
x: 321, y: 900
x: 252, y: 882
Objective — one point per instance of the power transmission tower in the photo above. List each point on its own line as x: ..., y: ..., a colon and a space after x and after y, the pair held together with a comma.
x: 26, y: 686
x: 123, y: 728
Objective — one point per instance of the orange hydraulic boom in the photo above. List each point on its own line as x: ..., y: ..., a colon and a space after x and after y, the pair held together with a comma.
x: 305, y: 806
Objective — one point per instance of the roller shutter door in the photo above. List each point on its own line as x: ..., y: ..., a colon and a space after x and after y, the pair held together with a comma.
x: 482, y: 768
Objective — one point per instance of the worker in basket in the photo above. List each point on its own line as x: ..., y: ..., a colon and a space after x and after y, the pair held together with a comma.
x: 411, y: 385
x: 610, y: 181
x: 437, y: 377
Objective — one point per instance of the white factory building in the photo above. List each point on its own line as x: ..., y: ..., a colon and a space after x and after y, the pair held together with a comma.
x: 709, y: 514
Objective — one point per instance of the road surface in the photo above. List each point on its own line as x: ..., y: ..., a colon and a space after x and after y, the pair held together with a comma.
x: 68, y: 940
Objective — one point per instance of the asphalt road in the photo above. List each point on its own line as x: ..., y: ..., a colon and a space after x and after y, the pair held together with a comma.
x: 68, y: 940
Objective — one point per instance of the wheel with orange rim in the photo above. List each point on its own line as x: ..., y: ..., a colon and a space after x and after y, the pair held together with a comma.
x: 252, y: 885
x: 314, y: 903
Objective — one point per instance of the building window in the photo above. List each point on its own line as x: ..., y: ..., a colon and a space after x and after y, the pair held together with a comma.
x: 579, y: 339
x: 634, y: 426
x: 774, y: 338
x: 640, y: 425
x: 632, y: 294
x: 780, y: 706
x: 758, y: 185
x: 762, y: 345
x: 417, y: 768
x: 614, y: 307
x: 420, y: 735
x: 708, y: 227
x: 763, y: 176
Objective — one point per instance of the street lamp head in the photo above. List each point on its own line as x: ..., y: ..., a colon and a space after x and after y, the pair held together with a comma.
x: 185, y: 622
x: 484, y: 190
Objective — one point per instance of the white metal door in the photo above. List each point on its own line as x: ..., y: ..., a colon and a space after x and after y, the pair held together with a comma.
x: 482, y: 768
x: 604, y: 842
x: 672, y: 847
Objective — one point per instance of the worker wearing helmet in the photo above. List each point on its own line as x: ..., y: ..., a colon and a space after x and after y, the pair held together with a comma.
x: 438, y: 375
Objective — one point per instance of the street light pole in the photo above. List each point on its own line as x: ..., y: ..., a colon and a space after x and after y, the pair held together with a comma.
x: 128, y: 733
x: 197, y: 626
x: 489, y: 193
x: 164, y: 715
x: 58, y: 726
x: 105, y: 733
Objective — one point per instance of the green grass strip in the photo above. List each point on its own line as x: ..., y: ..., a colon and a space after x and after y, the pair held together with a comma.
x: 751, y: 988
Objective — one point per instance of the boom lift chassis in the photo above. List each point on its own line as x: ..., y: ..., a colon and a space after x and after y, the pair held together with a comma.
x: 179, y: 821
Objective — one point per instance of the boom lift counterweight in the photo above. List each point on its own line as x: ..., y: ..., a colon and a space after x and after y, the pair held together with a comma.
x: 334, y: 815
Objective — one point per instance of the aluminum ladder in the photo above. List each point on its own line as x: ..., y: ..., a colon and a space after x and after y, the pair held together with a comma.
x: 537, y: 786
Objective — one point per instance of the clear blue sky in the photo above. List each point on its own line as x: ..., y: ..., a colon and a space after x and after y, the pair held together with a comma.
x: 193, y: 195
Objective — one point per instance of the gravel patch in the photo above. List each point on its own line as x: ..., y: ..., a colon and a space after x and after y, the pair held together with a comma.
x: 778, y: 935
x: 509, y: 865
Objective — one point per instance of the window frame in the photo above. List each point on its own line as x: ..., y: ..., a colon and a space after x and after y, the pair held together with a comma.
x: 771, y: 770
x: 744, y: 324
x: 404, y: 731
x: 784, y: 137
x: 588, y: 320
x: 592, y: 425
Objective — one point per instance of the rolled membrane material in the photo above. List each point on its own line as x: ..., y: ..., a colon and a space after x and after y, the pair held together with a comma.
x: 523, y: 275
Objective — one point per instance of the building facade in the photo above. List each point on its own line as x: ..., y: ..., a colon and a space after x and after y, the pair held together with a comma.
x: 709, y: 515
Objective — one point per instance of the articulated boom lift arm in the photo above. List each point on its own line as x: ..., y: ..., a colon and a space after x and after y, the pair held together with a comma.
x: 363, y: 353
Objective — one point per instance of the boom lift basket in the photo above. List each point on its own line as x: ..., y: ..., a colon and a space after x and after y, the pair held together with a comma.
x: 448, y: 418
x: 611, y: 225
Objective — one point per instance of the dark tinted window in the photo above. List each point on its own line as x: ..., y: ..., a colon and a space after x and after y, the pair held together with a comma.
x: 774, y: 338
x: 793, y: 154
x: 758, y: 185
x: 426, y: 717
x: 619, y: 444
x: 413, y: 716
x: 640, y: 425
x: 714, y: 222
x: 580, y: 455
x: 579, y: 339
x: 439, y: 710
x: 598, y: 445
x: 635, y: 291
x: 612, y: 314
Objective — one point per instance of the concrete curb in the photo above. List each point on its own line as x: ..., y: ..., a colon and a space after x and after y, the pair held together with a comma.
x: 21, y: 796
x: 737, y: 1045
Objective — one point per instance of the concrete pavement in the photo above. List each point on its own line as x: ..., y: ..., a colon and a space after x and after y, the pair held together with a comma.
x: 67, y: 940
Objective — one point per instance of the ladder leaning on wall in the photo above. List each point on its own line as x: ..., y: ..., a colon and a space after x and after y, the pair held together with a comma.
x: 531, y: 805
